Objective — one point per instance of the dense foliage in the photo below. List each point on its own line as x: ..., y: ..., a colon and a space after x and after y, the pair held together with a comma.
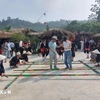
x: 10, y: 23
x: 75, y: 26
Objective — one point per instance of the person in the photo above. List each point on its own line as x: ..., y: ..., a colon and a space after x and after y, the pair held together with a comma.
x: 39, y: 48
x: 60, y: 50
x: 12, y: 45
x: 34, y: 46
x: 82, y: 45
x: 44, y: 49
x: 15, y: 60
x: 24, y: 58
x: 52, y: 52
x: 16, y: 47
x: 98, y: 55
x: 29, y: 45
x: 93, y: 55
x: 86, y: 47
x: 73, y: 50
x: 2, y: 70
x: 5, y: 50
x: 67, y: 53
x: 9, y: 50
x: 21, y: 47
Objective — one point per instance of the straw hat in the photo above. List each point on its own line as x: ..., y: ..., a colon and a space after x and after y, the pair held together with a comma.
x: 96, y: 51
x: 2, y: 57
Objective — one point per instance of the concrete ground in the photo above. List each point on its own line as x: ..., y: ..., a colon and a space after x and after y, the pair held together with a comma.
x: 52, y: 87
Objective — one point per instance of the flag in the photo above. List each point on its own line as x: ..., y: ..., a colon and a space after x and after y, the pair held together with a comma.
x: 45, y: 23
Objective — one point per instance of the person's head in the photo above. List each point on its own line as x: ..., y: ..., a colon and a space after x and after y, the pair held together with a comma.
x: 18, y: 54
x: 44, y: 41
x: 54, y: 38
x: 65, y: 38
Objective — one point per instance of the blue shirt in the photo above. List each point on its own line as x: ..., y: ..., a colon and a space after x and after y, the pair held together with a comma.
x: 52, y: 45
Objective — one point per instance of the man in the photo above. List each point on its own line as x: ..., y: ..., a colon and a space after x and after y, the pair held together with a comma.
x: 12, y: 45
x: 15, y: 60
x: 34, y: 45
x: 21, y: 47
x: 52, y: 52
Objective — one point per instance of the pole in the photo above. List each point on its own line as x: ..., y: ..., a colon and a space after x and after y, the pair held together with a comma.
x: 52, y: 69
x: 33, y: 75
x: 17, y: 76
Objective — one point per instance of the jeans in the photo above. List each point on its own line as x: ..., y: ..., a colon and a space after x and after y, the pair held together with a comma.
x: 68, y: 58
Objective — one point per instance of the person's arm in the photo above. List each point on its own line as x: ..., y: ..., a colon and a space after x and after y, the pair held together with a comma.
x: 52, y: 50
x: 70, y: 46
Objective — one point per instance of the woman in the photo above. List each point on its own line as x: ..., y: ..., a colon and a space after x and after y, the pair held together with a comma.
x: 60, y: 50
x: 98, y: 55
x: 86, y: 48
x: 82, y: 44
x: 67, y: 53
x: 44, y: 49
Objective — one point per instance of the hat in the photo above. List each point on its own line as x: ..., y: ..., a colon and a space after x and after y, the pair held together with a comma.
x: 96, y: 51
x: 18, y: 53
x: 54, y: 37
x: 2, y: 57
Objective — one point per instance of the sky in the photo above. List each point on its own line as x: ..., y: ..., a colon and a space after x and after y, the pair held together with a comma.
x: 32, y: 10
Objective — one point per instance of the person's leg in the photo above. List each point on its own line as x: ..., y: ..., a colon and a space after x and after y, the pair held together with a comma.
x: 69, y: 57
x: 55, y: 61
x: 87, y: 54
x: 65, y: 59
x: 51, y: 59
x: 13, y: 64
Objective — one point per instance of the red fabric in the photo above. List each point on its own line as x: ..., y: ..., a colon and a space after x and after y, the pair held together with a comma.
x: 42, y: 50
x: 45, y: 23
x: 1, y: 51
x: 87, y: 48
x: 23, y: 44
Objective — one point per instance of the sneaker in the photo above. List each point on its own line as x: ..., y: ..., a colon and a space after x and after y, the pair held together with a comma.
x: 70, y: 68
x: 66, y: 68
x: 55, y: 68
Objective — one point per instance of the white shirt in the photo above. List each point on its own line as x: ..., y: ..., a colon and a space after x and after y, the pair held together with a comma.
x: 66, y: 45
x: 20, y: 44
x: 9, y: 48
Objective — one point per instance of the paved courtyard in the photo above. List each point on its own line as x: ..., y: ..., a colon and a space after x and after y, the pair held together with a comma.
x: 57, y: 87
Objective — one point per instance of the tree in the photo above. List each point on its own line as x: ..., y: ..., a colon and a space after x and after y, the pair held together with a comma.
x: 19, y: 37
x: 47, y: 28
x: 7, y: 28
x: 95, y: 11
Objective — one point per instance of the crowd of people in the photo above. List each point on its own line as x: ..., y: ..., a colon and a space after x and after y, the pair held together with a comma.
x: 64, y: 49
x: 91, y: 49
